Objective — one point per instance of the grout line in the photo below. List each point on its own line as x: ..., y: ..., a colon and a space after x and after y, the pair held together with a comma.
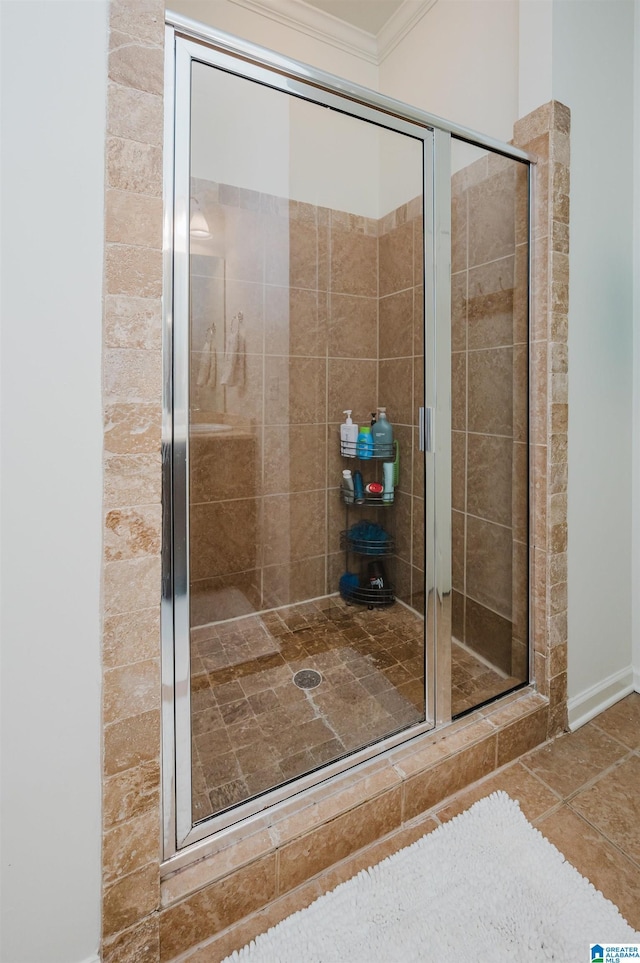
x: 603, y: 835
x: 594, y: 723
x: 588, y: 784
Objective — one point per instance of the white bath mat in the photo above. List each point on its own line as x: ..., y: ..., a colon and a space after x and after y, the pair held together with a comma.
x: 484, y: 886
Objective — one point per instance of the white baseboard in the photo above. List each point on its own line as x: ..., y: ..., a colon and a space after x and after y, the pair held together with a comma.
x: 583, y: 707
x: 636, y: 680
x: 92, y: 959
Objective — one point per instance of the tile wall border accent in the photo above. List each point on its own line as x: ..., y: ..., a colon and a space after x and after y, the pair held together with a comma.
x: 393, y: 793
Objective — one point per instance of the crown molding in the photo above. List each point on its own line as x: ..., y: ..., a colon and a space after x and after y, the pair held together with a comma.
x: 322, y: 26
x: 400, y: 23
x: 316, y: 23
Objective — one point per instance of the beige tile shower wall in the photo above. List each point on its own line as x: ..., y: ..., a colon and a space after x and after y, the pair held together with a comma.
x: 519, y: 649
x: 489, y: 411
x: 295, y: 402
x: 352, y: 353
x: 401, y: 382
x: 311, y: 284
x: 306, y: 280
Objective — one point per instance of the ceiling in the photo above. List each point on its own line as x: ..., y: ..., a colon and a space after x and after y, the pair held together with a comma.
x: 369, y: 29
x: 368, y: 15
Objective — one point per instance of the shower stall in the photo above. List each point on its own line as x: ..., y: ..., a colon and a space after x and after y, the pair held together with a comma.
x: 329, y: 249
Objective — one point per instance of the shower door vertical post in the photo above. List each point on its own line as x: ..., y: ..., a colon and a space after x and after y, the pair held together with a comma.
x: 532, y: 439
x: 181, y: 405
x: 440, y: 343
x: 424, y: 447
x: 168, y: 568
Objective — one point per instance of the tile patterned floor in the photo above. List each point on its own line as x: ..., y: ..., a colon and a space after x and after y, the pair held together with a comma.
x: 583, y: 793
x: 254, y: 729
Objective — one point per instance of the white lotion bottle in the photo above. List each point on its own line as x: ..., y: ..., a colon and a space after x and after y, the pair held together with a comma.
x: 348, y: 436
x: 347, y: 487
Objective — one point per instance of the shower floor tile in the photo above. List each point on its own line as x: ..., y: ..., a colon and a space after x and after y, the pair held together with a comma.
x: 254, y: 729
x: 473, y: 681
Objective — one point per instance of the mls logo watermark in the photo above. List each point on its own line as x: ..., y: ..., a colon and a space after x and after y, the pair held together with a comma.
x: 614, y: 952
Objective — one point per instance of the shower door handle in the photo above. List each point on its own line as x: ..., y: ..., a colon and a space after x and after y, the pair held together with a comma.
x: 425, y: 429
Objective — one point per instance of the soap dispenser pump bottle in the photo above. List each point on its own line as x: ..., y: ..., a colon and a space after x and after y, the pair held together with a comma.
x: 382, y: 436
x: 348, y: 436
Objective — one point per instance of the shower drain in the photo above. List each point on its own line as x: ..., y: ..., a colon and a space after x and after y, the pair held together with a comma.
x: 307, y: 679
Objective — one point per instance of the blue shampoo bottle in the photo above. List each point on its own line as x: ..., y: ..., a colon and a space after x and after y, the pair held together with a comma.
x: 358, y: 488
x: 364, y: 446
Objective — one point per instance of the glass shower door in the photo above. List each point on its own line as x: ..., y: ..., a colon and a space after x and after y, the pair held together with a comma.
x: 489, y: 430
x: 300, y: 609
x: 329, y: 250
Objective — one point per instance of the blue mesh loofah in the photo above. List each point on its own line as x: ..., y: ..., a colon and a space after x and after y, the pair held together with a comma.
x: 368, y: 537
x: 349, y: 584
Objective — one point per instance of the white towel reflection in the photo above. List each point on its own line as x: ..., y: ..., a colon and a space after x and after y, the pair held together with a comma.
x: 233, y: 371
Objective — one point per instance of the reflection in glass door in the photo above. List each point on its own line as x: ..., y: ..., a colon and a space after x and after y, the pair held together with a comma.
x: 302, y: 600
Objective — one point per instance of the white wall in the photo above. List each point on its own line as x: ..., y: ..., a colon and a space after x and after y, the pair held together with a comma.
x: 292, y: 148
x: 261, y: 139
x: 535, y: 55
x: 231, y: 119
x: 53, y: 105
x: 635, y: 571
x: 242, y: 22
x: 460, y: 62
x: 593, y: 75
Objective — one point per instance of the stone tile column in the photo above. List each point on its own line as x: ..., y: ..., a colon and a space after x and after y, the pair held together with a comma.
x: 545, y: 132
x: 132, y: 400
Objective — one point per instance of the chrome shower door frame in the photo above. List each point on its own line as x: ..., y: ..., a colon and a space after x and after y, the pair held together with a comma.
x: 188, y: 42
